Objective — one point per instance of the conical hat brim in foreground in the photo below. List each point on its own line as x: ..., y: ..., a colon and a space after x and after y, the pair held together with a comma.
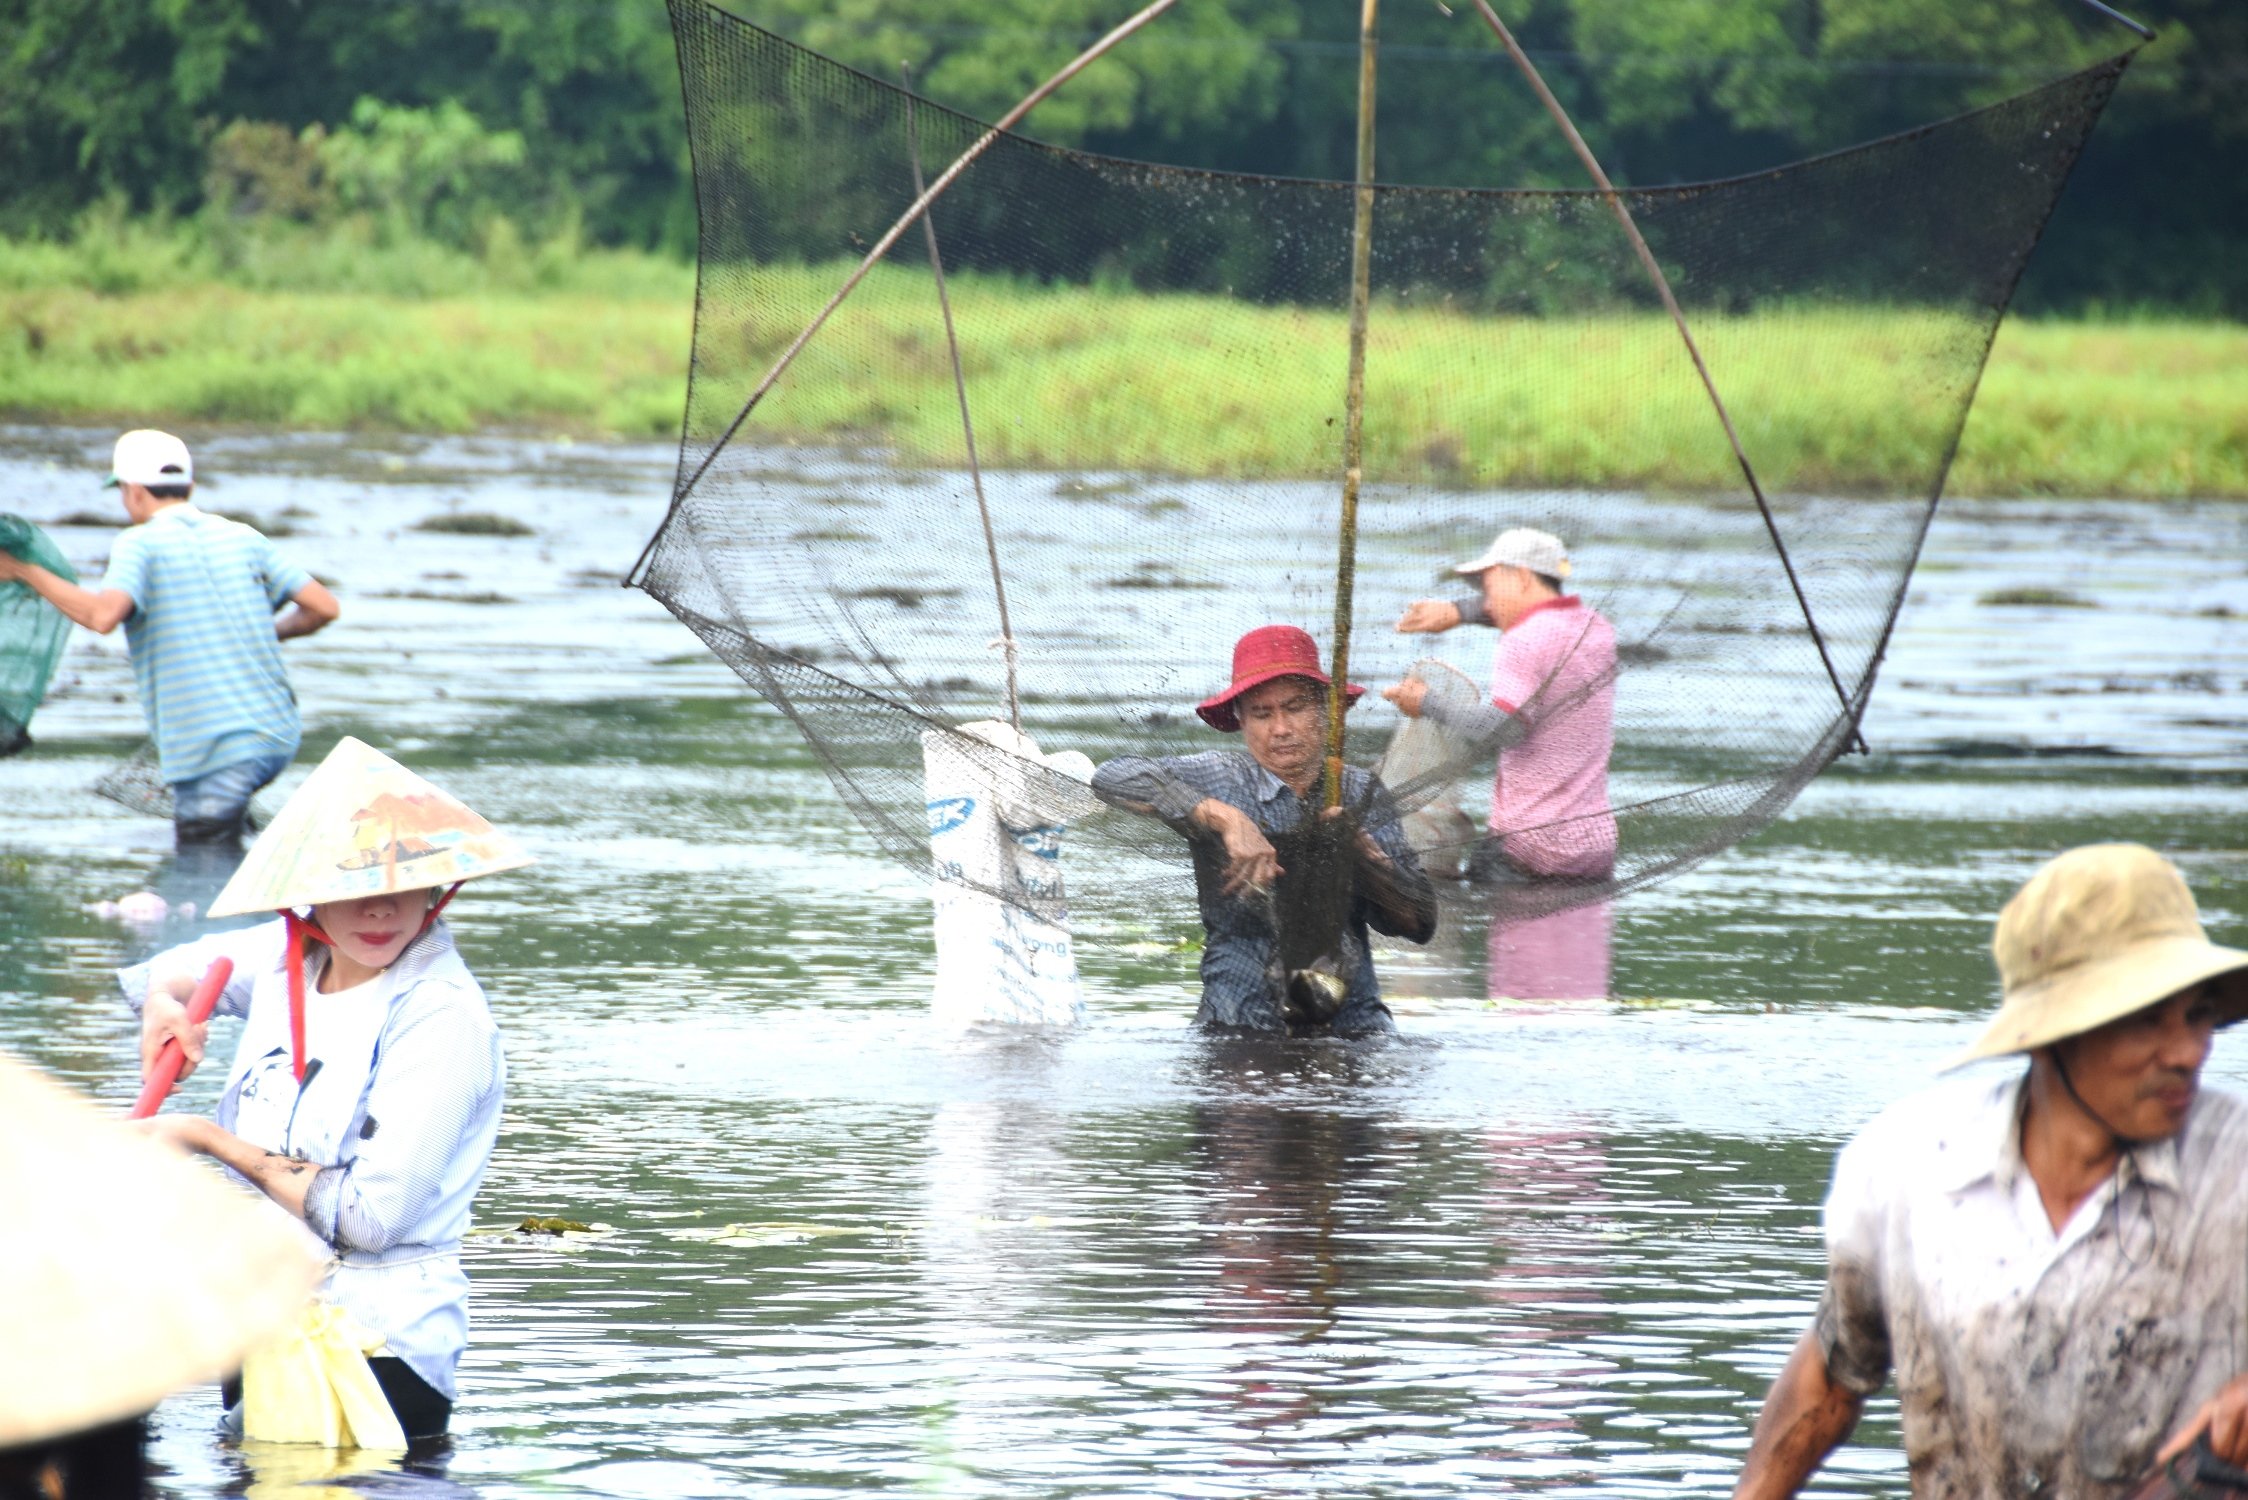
x: 363, y: 825
x: 129, y: 1272
x: 2091, y: 995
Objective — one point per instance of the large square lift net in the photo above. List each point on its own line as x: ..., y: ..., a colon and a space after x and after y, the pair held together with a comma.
x: 847, y: 580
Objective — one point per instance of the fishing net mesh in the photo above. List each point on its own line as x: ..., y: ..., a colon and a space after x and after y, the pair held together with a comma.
x: 1155, y: 360
x: 32, y: 635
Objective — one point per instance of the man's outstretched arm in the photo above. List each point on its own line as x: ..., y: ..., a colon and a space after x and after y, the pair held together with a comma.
x: 101, y: 612
x: 1806, y: 1416
x: 1435, y: 616
x: 310, y: 608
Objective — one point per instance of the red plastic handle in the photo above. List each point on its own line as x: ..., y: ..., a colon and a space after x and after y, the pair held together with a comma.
x: 169, y: 1058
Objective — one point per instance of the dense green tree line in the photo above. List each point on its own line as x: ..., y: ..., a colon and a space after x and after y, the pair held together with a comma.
x: 446, y: 117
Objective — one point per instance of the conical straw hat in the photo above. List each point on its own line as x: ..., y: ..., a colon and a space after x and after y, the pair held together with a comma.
x: 363, y: 825
x: 2097, y: 934
x: 126, y: 1273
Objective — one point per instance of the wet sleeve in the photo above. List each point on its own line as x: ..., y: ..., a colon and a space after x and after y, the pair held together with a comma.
x: 1454, y: 708
x: 1141, y: 783
x: 1853, y: 1319
x: 255, y: 950
x: 282, y: 577
x: 435, y: 1086
x: 1408, y: 905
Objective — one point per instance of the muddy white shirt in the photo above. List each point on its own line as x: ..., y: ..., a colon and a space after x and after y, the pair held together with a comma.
x: 2030, y: 1362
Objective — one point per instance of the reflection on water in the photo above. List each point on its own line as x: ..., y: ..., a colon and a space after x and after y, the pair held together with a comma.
x: 1562, y: 955
x: 1520, y: 1246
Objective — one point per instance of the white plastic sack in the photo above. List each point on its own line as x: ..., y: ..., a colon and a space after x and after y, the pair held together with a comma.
x: 997, y: 813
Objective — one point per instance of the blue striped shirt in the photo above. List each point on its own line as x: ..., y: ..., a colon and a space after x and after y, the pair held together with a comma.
x: 204, y: 592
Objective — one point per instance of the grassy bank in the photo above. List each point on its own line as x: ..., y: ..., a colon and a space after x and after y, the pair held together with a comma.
x: 335, y: 335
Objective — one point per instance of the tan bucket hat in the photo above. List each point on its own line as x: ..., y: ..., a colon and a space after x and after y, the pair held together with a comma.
x: 2099, y: 933
x: 126, y: 1272
x: 363, y: 825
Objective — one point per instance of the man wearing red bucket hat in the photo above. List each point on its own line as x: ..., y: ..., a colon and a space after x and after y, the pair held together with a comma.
x: 1287, y: 894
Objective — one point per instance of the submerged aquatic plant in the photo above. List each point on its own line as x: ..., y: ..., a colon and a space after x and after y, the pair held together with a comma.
x: 474, y: 523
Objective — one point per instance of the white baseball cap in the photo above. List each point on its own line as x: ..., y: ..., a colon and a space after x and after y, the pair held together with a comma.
x: 147, y: 457
x: 1539, y: 551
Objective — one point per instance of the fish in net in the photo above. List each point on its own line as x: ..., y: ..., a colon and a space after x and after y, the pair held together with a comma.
x: 1845, y: 305
x: 32, y: 633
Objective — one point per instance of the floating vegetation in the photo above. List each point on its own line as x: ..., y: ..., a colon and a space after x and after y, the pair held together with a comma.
x: 432, y: 596
x: 90, y: 518
x: 1164, y: 505
x: 537, y: 1225
x: 902, y: 596
x: 1094, y: 489
x: 552, y: 1233
x: 838, y: 535
x: 2035, y: 596
x: 474, y: 523
x: 1640, y: 653
x: 765, y: 1236
x: 592, y: 578
x: 1155, y: 575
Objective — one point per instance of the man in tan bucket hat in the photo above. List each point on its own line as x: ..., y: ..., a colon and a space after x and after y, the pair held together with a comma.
x: 2054, y: 1264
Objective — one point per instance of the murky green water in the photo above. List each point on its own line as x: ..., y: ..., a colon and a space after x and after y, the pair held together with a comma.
x: 1558, y: 1247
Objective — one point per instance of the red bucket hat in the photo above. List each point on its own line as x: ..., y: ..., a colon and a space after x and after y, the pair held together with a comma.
x: 1267, y: 652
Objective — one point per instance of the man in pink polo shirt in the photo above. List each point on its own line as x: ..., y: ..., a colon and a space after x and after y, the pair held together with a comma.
x: 1551, y: 713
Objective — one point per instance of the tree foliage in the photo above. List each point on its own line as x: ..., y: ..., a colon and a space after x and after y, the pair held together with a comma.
x: 564, y: 114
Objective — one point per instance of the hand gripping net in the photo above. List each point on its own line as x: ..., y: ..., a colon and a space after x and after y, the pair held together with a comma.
x: 1156, y: 308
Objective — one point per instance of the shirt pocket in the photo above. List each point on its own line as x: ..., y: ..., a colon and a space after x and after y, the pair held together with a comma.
x: 2133, y: 1369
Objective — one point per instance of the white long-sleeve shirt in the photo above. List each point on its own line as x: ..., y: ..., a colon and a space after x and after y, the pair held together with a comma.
x: 401, y: 1118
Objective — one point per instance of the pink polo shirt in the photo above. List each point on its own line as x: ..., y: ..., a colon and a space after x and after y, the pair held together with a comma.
x: 1556, y: 671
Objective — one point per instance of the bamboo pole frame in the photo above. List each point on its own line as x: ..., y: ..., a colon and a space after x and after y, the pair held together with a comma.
x: 1354, y: 398
x: 967, y: 423
x: 890, y: 237
x: 1677, y: 316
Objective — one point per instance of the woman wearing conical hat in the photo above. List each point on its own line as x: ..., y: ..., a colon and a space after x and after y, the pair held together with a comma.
x: 365, y: 1093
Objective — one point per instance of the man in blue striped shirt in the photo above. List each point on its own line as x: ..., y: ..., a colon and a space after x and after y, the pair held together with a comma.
x: 197, y: 595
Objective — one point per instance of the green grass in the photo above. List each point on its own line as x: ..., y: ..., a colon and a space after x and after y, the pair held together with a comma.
x: 150, y: 324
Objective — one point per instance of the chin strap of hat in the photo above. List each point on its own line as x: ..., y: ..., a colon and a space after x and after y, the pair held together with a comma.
x: 2124, y: 1143
x: 301, y: 928
x: 437, y: 906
